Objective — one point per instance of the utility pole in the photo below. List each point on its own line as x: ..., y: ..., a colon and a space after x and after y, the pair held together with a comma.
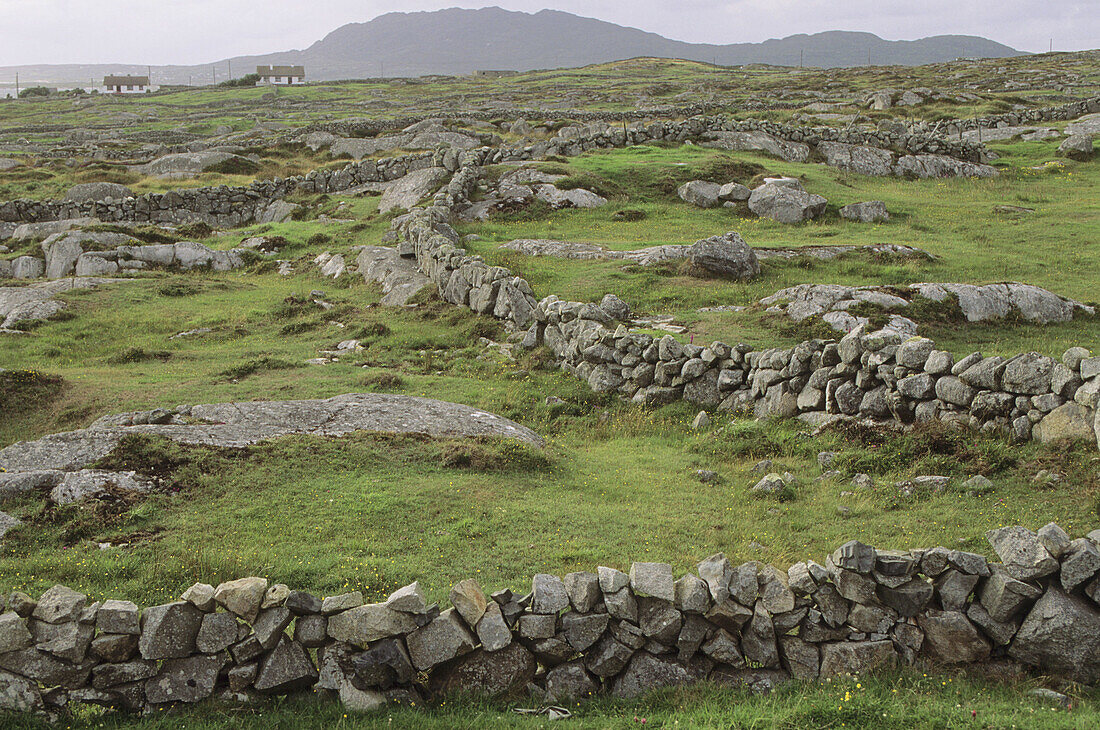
x: 800, y: 57
x: 214, y: 75
x: 230, y: 64
x: 1051, y: 45
x: 17, y: 86
x: 868, y: 56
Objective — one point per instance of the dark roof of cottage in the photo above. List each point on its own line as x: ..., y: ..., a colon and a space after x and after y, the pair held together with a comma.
x: 125, y: 80
x: 267, y: 71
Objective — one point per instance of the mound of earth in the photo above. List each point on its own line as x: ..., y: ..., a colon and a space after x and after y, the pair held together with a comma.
x: 236, y: 425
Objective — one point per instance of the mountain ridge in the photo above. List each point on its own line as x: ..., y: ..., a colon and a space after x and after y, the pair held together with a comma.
x: 456, y: 41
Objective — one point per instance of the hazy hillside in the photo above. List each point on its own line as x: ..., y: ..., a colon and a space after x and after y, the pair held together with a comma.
x: 459, y: 41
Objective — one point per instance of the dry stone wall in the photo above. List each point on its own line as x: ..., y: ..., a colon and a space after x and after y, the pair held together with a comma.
x: 586, y: 634
x: 227, y: 207
x: 1063, y: 112
x: 876, y: 375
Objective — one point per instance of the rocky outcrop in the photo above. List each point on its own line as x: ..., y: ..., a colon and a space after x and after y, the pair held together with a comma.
x: 409, y: 190
x: 399, y: 277
x: 236, y: 425
x: 786, y: 203
x: 36, y: 302
x: 978, y: 303
x: 604, y: 633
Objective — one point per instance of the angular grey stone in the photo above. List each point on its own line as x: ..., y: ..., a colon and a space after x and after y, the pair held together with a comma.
x: 285, y: 669
x: 484, y: 673
x: 570, y: 681
x: 856, y: 656
x: 716, y: 571
x: 68, y: 641
x: 343, y: 602
x: 723, y: 648
x: 1000, y: 632
x: 727, y: 255
x: 949, y: 637
x: 801, y: 658
x: 608, y: 658
x: 646, y: 672
x: 114, y: 647
x: 612, y: 581
x: 621, y: 605
x: 270, y: 626
x: 658, y: 620
x: 60, y: 604
x: 1080, y: 563
x: 1062, y: 634
x: 364, y: 624
x: 1024, y: 557
x: 1003, y: 596
x: 492, y: 629
x: 538, y: 625
x: 14, y: 634
x: 653, y: 579
x: 311, y: 630
x: 242, y: 597
x: 758, y: 640
x: 954, y: 588
x: 443, y: 639
x: 189, y: 679
x: 1054, y: 539
x: 19, y: 694
x: 775, y: 595
x: 410, y: 599
x: 908, y: 599
x: 469, y: 600
x: 582, y: 631
x: 201, y: 595
x: 301, y: 603
x: 169, y: 631
x: 111, y: 675
x: 119, y: 617
x: 583, y: 590
x: 692, y: 595
x: 549, y: 594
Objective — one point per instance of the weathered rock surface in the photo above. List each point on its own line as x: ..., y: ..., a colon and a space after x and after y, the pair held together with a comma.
x: 236, y: 425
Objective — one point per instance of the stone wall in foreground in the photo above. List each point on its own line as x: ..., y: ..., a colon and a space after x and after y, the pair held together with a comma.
x: 573, y: 637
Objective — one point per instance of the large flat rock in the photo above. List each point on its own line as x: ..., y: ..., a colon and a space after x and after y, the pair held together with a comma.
x: 236, y: 425
x: 23, y: 303
x: 401, y: 280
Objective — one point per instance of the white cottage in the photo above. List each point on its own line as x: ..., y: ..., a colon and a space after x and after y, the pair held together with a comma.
x: 281, y: 75
x: 127, y: 84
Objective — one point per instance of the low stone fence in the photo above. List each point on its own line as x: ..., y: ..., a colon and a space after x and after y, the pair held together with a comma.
x: 1060, y: 113
x: 584, y: 635
x: 223, y: 206
x: 876, y: 375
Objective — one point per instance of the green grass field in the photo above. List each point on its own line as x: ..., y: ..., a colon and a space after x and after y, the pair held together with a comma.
x: 616, y: 483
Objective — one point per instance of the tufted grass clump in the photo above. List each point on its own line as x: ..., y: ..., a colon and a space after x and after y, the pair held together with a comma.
x: 24, y: 390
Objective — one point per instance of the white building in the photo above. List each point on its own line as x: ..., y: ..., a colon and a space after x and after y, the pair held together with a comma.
x: 127, y: 85
x: 281, y: 75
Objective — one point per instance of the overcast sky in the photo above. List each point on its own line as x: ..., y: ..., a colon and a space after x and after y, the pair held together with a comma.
x: 197, y: 31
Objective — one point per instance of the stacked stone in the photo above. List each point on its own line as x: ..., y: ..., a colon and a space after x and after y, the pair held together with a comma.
x: 223, y: 206
x: 228, y: 207
x: 64, y: 256
x: 587, y: 634
x: 875, y: 375
x: 464, y: 280
x: 1062, y: 112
